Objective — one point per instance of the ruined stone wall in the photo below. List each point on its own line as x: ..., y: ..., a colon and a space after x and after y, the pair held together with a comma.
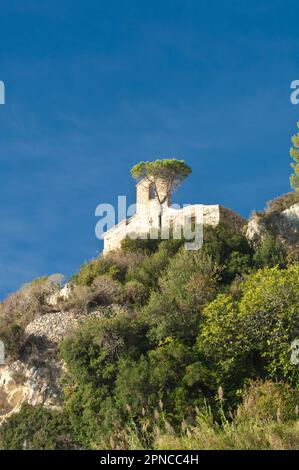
x: 144, y: 221
x: 142, y: 196
x: 113, y: 238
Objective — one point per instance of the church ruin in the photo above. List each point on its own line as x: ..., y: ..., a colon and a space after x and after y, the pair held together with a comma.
x: 149, y: 218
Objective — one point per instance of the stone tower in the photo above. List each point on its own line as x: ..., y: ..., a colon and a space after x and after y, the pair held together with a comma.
x: 148, y: 217
x: 147, y: 203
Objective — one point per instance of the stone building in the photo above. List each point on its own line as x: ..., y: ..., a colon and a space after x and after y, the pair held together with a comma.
x: 150, y: 217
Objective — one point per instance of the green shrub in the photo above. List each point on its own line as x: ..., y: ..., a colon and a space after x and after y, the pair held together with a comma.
x: 270, y: 253
x: 149, y: 271
x: 135, y: 293
x: 208, y: 434
x: 136, y: 245
x: 106, y: 291
x: 30, y: 301
x: 227, y: 248
x: 268, y: 401
x: 92, y: 358
x: 187, y: 285
x: 133, y: 391
x: 13, y: 337
x: 251, y: 335
x: 35, y: 428
x: 94, y: 268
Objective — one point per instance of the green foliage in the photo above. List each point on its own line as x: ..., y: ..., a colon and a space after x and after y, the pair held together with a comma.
x: 170, y: 379
x: 294, y: 152
x: 258, y: 424
x: 270, y: 253
x: 13, y: 337
x: 94, y: 268
x: 136, y: 245
x: 152, y: 267
x: 229, y: 249
x: 133, y: 390
x: 282, y: 203
x: 135, y: 293
x: 251, y: 336
x: 268, y: 401
x: 196, y: 353
x: 35, y: 428
x: 92, y: 356
x: 170, y: 171
x: 189, y: 282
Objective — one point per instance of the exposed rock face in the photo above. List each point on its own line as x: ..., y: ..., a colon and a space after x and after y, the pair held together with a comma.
x: 284, y: 224
x: 36, y: 385
x: 36, y: 379
x: 292, y: 214
x: 56, y: 326
x: 256, y: 231
x: 61, y: 295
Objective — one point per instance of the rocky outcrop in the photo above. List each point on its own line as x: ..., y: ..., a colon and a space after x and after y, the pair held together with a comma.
x: 61, y: 295
x: 256, y: 230
x: 284, y: 224
x: 36, y: 385
x: 36, y: 379
x: 56, y: 326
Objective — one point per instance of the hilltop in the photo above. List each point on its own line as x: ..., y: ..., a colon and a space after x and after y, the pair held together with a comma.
x: 155, y: 346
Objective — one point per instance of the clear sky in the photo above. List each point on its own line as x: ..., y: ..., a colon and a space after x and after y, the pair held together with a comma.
x: 94, y: 86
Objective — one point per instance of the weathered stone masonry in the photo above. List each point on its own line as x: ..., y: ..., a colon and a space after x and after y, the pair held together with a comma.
x: 148, y: 211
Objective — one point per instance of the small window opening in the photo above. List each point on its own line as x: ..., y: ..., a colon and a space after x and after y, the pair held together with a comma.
x: 152, y: 192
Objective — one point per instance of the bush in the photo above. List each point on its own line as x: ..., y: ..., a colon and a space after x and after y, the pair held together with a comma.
x: 268, y: 401
x: 35, y: 428
x: 106, y: 291
x: 251, y: 336
x: 282, y: 203
x: 187, y: 285
x: 270, y: 253
x: 229, y: 249
x: 133, y: 391
x: 13, y: 337
x: 21, y: 308
x: 209, y: 434
x: 80, y: 300
x: 92, y: 357
x: 94, y: 268
x: 103, y: 291
x: 149, y: 271
x: 139, y: 245
x: 30, y: 301
x: 135, y: 293
x: 152, y: 266
x: 124, y: 259
x: 293, y: 255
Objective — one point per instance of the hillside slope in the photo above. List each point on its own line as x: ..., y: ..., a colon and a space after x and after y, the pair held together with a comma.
x: 154, y: 346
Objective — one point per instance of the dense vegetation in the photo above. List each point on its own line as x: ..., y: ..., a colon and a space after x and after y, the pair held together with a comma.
x: 294, y: 152
x: 199, y: 357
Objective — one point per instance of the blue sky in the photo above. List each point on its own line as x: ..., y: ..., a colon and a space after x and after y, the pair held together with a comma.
x: 93, y: 87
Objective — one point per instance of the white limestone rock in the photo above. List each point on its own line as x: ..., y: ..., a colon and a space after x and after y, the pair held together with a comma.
x: 285, y: 225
